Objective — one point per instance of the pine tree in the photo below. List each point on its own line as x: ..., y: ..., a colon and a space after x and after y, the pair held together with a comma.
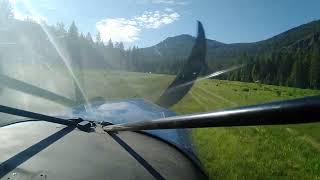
x: 73, y: 44
x: 73, y: 31
x: 98, y: 38
x: 121, y: 46
x: 110, y: 44
x: 295, y: 78
x: 315, y: 68
x: 75, y: 58
x: 254, y: 73
x: 60, y: 28
x: 89, y: 38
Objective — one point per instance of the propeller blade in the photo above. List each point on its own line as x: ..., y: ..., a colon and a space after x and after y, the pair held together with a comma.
x: 193, y: 67
x: 304, y: 110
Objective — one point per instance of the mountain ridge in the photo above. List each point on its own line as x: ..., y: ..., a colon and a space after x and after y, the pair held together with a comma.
x: 226, y: 53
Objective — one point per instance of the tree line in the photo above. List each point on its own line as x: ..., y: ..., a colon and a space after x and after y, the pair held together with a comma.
x: 287, y: 67
x: 82, y: 49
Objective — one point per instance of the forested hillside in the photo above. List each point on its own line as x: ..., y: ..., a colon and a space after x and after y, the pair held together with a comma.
x: 297, y: 65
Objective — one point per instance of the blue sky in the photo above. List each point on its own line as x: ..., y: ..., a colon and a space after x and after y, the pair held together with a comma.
x: 147, y: 22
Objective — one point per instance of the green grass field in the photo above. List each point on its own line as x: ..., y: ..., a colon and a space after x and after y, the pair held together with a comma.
x: 265, y: 152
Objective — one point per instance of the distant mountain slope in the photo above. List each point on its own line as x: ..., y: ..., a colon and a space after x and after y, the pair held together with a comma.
x: 176, y: 46
x: 305, y: 43
x: 220, y: 54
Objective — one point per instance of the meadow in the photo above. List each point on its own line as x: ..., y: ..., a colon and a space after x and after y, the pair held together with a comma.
x: 264, y: 152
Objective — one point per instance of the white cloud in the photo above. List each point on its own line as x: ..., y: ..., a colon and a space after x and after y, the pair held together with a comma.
x: 156, y: 19
x: 169, y: 10
x: 119, y: 29
x: 163, y: 1
x: 12, y: 2
x: 170, y: 2
x: 128, y: 30
x: 23, y: 16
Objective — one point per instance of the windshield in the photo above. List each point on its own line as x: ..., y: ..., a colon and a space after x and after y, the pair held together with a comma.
x: 59, y: 55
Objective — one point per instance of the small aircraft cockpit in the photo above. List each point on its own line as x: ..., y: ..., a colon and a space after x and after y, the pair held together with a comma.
x: 159, y: 89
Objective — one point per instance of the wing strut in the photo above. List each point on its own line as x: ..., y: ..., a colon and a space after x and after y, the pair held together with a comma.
x: 304, y: 110
x: 21, y: 86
